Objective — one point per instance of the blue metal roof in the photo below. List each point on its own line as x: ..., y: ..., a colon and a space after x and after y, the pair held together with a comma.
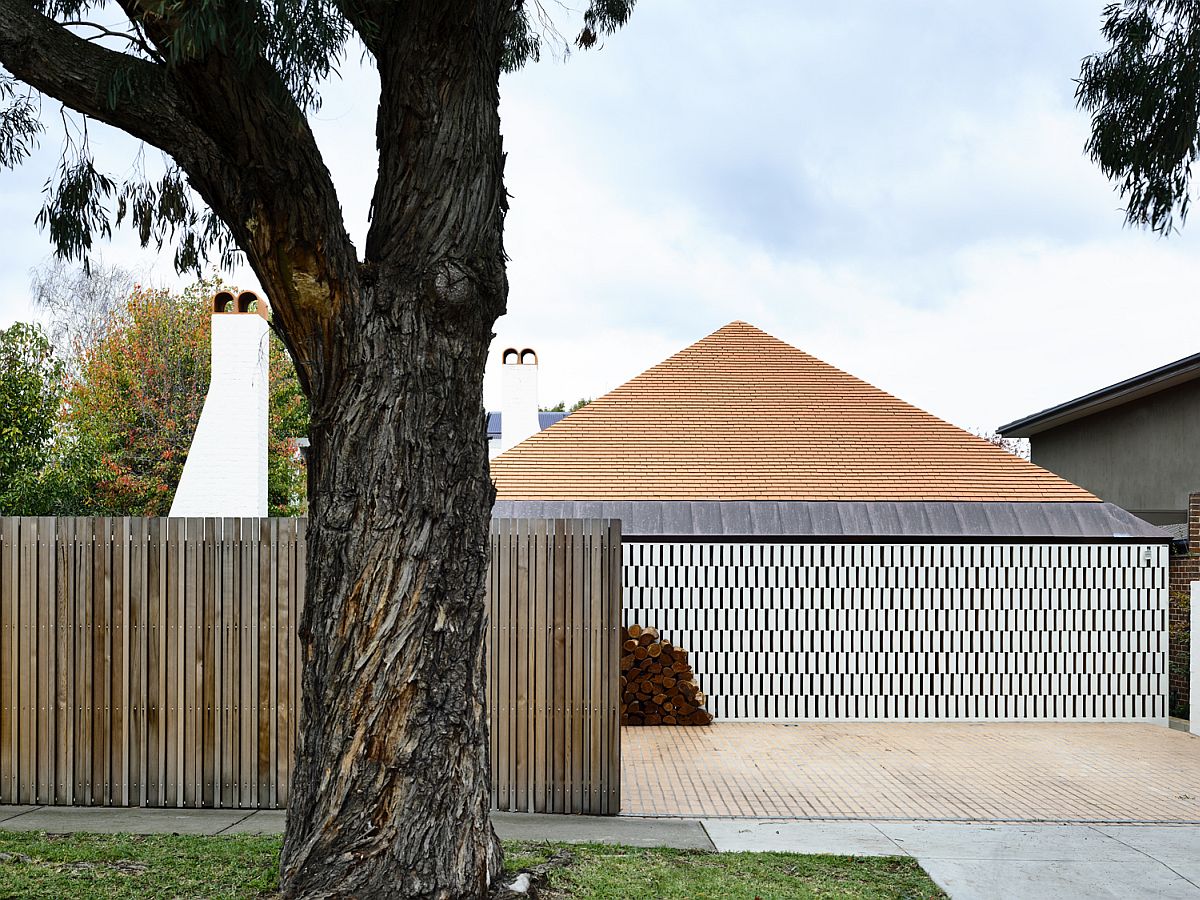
x: 545, y: 420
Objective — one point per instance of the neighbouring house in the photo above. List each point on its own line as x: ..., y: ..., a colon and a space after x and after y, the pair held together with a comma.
x: 1134, y: 443
x: 225, y: 473
x: 827, y: 551
x: 519, y: 416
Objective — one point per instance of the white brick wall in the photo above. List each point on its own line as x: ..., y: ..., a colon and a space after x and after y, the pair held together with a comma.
x: 226, y: 469
x: 912, y: 631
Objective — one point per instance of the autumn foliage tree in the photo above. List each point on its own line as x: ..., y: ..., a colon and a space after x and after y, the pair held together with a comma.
x: 389, y: 795
x: 140, y: 381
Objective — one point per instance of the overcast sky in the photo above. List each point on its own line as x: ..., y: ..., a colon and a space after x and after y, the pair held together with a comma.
x: 897, y: 188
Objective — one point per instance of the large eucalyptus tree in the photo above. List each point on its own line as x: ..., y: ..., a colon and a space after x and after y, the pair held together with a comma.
x: 390, y: 792
x: 1143, y: 92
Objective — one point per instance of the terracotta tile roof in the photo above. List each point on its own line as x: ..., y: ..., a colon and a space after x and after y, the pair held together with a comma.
x: 742, y: 415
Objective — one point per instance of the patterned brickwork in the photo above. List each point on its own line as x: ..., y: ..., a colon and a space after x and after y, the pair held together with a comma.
x: 1185, y: 568
x: 801, y: 631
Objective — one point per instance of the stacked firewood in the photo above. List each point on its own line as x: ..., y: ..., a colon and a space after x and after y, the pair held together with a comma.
x: 658, y: 686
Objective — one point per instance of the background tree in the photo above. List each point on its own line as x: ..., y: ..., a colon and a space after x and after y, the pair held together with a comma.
x: 31, y: 390
x: 78, y: 300
x: 390, y: 789
x: 1016, y: 446
x: 1143, y: 93
x: 561, y: 405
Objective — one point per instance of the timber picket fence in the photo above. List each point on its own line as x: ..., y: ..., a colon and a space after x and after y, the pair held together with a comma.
x: 154, y: 662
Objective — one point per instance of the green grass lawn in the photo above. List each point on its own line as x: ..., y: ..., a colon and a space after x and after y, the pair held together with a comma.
x: 87, y: 866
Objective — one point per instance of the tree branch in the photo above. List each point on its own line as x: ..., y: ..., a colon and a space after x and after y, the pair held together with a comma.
x: 244, y: 143
x: 115, y: 88
x: 134, y: 39
x: 369, y: 18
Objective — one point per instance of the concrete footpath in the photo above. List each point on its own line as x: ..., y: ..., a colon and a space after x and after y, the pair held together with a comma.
x: 969, y: 861
x: 997, y: 862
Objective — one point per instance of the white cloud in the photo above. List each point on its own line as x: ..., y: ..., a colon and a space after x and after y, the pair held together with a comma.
x: 897, y: 188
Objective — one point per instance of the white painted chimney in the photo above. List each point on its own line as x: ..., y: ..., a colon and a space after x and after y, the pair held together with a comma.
x: 519, y: 407
x: 226, y: 469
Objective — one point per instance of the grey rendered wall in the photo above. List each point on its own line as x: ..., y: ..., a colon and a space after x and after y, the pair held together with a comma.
x: 1143, y: 456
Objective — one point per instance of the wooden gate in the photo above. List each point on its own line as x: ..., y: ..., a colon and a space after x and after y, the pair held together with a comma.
x: 154, y: 662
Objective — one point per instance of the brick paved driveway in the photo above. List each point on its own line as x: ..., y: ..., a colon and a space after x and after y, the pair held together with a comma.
x: 976, y: 772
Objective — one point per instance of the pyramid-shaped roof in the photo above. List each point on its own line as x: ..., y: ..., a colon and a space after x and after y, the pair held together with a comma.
x: 741, y: 415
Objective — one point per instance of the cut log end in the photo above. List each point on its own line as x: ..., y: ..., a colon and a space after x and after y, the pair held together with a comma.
x: 658, y: 686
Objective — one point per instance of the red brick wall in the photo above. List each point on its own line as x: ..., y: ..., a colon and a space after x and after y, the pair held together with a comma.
x: 1185, y: 568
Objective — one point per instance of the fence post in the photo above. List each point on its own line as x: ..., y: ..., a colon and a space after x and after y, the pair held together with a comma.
x: 1194, y: 642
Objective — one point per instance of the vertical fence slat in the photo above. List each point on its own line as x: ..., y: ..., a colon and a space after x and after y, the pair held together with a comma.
x: 489, y: 599
x: 45, y: 680
x: 296, y: 605
x: 137, y: 683
x: 281, y: 573
x: 8, y: 659
x: 504, y: 715
x: 102, y: 660
x: 229, y: 681
x: 521, y: 610
x: 157, y: 640
x: 84, y: 650
x: 616, y: 593
x: 597, y: 667
x: 26, y: 621
x: 539, y: 648
x: 62, y: 659
x: 119, y: 666
x: 176, y: 659
x: 211, y: 634
x: 267, y: 548
x: 577, y: 610
x: 558, y: 771
x: 247, y: 664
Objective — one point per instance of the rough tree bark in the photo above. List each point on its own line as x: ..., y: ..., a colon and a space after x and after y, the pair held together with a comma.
x: 390, y: 789
x: 390, y: 795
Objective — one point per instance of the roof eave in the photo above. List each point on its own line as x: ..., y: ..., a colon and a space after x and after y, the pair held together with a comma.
x: 1144, y: 385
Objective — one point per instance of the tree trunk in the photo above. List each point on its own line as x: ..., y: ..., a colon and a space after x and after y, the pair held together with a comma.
x: 390, y: 797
